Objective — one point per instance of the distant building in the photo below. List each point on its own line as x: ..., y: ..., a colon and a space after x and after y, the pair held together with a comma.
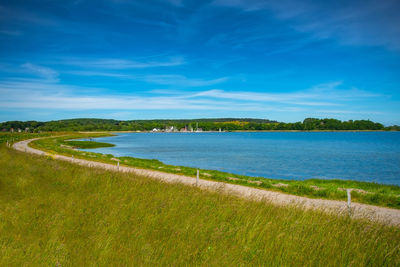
x: 199, y: 130
x: 27, y: 129
x: 12, y: 130
x: 155, y: 130
x: 19, y: 130
x: 169, y: 129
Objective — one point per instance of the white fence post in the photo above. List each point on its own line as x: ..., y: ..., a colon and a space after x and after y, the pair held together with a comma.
x: 118, y: 165
x: 349, y: 200
x: 197, y: 178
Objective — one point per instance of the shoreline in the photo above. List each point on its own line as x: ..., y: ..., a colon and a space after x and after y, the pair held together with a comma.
x: 332, y: 189
x: 252, y: 131
x: 382, y: 214
x: 248, y: 176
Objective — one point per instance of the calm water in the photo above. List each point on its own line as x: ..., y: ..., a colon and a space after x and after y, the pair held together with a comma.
x: 364, y: 156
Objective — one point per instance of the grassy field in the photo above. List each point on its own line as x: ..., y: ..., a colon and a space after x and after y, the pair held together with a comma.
x: 364, y: 192
x: 54, y: 213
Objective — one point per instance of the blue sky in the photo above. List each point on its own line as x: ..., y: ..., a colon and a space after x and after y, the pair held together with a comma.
x: 283, y: 60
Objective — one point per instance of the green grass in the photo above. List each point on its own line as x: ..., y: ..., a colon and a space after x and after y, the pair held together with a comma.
x: 54, y: 213
x: 15, y: 137
x: 368, y: 193
x: 87, y: 144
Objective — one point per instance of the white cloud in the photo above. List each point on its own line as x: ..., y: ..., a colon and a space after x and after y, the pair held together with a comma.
x: 321, y: 95
x: 115, y: 63
x: 180, y: 80
x: 164, y: 79
x: 339, y: 112
x: 36, y: 94
x: 40, y: 71
x: 100, y: 74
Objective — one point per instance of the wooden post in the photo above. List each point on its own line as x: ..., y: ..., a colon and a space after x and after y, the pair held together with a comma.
x: 197, y: 178
x: 118, y: 165
x: 349, y: 200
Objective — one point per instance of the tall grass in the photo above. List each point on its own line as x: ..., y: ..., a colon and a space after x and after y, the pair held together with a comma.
x: 55, y: 213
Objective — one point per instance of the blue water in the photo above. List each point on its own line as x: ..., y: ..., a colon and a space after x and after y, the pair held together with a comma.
x: 363, y: 156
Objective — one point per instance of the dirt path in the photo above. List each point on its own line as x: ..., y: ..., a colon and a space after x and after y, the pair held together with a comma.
x: 385, y: 215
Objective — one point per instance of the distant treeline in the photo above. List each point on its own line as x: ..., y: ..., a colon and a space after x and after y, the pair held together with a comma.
x: 225, y: 124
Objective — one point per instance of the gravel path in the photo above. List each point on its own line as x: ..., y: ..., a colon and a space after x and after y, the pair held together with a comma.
x: 385, y: 215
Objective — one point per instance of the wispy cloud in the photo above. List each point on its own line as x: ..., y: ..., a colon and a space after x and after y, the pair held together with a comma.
x: 163, y: 79
x: 40, y: 71
x: 113, y: 63
x: 350, y: 112
x: 360, y: 23
x: 90, y: 73
x: 36, y: 94
x: 19, y: 95
x: 110, y: 102
x: 180, y: 80
x: 321, y: 95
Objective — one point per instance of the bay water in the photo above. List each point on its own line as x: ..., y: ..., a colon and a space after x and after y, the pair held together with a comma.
x: 363, y: 156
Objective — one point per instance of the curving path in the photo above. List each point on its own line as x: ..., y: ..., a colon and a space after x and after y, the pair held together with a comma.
x: 381, y: 214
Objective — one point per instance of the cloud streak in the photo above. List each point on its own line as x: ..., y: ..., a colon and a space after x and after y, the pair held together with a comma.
x: 40, y: 71
x: 320, y: 95
x: 180, y: 80
x: 36, y: 94
x: 119, y: 64
x: 162, y: 79
x: 352, y: 23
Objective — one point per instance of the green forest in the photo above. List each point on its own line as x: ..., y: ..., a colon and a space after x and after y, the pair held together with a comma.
x: 225, y: 124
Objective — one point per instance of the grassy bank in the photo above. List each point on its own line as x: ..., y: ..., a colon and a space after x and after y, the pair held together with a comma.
x: 54, y: 213
x: 87, y: 144
x: 363, y: 192
x: 15, y: 137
